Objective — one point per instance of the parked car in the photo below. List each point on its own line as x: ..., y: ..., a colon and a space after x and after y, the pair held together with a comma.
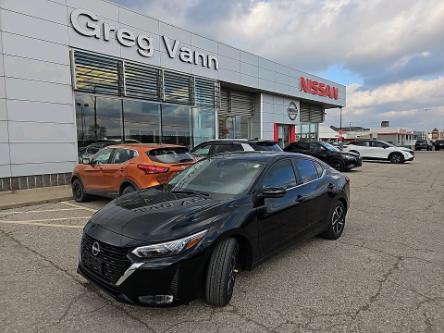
x: 168, y: 245
x: 380, y: 150
x: 210, y: 148
x: 423, y: 145
x: 328, y: 153
x: 120, y: 169
x: 439, y: 144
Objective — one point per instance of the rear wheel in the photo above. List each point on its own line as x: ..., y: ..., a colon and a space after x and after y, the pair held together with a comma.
x: 221, y: 275
x: 128, y: 189
x: 336, y: 222
x: 396, y: 158
x: 78, y: 192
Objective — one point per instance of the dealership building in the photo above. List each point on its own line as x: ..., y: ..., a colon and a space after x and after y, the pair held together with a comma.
x: 78, y: 72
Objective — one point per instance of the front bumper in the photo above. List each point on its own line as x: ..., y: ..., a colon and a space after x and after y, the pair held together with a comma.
x: 159, y: 282
x: 351, y: 164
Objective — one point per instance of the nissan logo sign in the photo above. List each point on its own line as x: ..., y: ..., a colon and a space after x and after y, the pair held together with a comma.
x: 292, y: 111
x: 95, y: 249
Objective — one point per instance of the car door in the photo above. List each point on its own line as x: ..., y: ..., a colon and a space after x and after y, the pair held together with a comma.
x: 379, y: 149
x: 362, y: 147
x: 115, y: 171
x: 92, y: 176
x: 280, y: 219
x: 313, y: 189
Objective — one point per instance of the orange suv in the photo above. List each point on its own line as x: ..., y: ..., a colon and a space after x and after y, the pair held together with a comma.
x: 124, y: 168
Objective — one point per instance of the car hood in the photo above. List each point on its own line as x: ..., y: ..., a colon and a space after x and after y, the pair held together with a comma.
x: 155, y: 216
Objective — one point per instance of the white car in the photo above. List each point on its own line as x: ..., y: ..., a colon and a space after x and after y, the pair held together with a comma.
x: 380, y: 150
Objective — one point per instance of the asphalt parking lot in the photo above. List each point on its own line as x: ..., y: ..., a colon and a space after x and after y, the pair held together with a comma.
x: 386, y: 274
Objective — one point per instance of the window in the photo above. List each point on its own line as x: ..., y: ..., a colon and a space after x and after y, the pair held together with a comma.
x: 176, y: 124
x: 170, y: 155
x: 281, y: 174
x: 202, y: 151
x: 142, y: 121
x: 307, y: 170
x: 103, y: 156
x: 319, y: 169
x: 362, y: 143
x: 123, y: 155
x: 377, y: 144
x: 225, y: 148
x: 315, y: 146
x: 265, y: 146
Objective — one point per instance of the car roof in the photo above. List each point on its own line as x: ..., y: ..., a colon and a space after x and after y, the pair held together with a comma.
x: 144, y: 146
x: 258, y: 155
x: 238, y: 141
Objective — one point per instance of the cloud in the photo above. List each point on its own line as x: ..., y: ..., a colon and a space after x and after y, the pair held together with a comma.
x: 415, y: 104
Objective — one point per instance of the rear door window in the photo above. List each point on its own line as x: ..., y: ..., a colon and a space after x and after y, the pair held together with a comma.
x: 170, y: 155
x: 123, y: 155
x: 225, y: 148
x: 307, y: 170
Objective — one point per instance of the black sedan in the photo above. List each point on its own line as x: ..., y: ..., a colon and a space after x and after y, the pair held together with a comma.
x: 439, y: 144
x: 166, y: 246
x: 328, y: 153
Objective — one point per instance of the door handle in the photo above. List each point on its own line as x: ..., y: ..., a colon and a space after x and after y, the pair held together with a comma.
x: 300, y: 198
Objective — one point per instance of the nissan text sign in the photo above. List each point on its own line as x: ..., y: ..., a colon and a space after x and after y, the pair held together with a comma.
x: 318, y: 88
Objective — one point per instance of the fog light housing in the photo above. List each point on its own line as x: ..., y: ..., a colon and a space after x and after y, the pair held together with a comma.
x: 156, y: 299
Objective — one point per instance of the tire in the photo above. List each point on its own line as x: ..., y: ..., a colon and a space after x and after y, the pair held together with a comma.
x: 127, y: 189
x: 396, y: 158
x: 221, y: 275
x: 336, y: 222
x: 338, y: 165
x: 78, y: 192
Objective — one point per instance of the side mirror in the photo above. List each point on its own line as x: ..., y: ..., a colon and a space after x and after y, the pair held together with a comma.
x: 274, y: 192
x: 86, y: 160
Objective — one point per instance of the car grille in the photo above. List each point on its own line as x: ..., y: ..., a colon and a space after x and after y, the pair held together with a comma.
x: 109, y: 264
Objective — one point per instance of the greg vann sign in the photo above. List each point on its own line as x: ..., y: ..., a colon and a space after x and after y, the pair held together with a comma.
x: 87, y: 24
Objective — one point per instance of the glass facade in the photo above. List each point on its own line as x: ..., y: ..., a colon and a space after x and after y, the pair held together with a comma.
x: 308, y: 131
x: 119, y: 101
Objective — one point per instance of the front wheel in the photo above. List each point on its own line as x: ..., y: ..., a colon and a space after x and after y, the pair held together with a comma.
x: 396, y: 158
x: 336, y: 222
x: 338, y: 165
x: 78, y: 192
x: 221, y: 274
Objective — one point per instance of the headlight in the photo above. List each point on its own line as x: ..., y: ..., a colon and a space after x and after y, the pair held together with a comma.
x: 350, y: 157
x: 169, y: 248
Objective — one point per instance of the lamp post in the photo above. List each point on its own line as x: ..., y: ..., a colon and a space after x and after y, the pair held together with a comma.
x: 340, y: 127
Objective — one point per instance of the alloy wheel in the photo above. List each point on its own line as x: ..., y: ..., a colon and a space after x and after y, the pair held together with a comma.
x: 338, y: 219
x: 396, y: 158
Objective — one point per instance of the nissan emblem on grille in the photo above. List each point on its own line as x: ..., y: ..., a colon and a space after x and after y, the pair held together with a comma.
x: 95, y: 249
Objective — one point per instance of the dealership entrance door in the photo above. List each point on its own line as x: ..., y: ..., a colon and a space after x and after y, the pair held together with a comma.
x: 284, y: 134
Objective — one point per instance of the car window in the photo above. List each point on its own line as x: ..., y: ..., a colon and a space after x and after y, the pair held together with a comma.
x: 202, y: 151
x: 362, y: 143
x: 170, y: 155
x: 123, y: 155
x: 281, y: 174
x: 224, y: 148
x: 307, y: 170
x: 103, y: 156
x: 319, y: 169
x: 378, y: 144
x: 315, y: 146
x: 265, y: 146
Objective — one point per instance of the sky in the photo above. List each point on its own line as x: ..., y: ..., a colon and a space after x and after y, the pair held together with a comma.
x: 389, y: 54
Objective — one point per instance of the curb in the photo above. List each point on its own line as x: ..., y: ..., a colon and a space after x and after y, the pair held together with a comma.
x: 35, y: 202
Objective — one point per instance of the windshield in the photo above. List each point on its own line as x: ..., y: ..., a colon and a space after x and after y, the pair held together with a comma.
x: 218, y: 176
x: 328, y: 146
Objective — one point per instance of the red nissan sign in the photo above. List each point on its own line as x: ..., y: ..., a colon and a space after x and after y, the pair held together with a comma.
x: 318, y: 88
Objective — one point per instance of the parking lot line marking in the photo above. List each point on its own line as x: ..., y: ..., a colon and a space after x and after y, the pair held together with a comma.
x: 53, y: 219
x: 78, y: 206
x: 43, y: 224
x: 41, y: 211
